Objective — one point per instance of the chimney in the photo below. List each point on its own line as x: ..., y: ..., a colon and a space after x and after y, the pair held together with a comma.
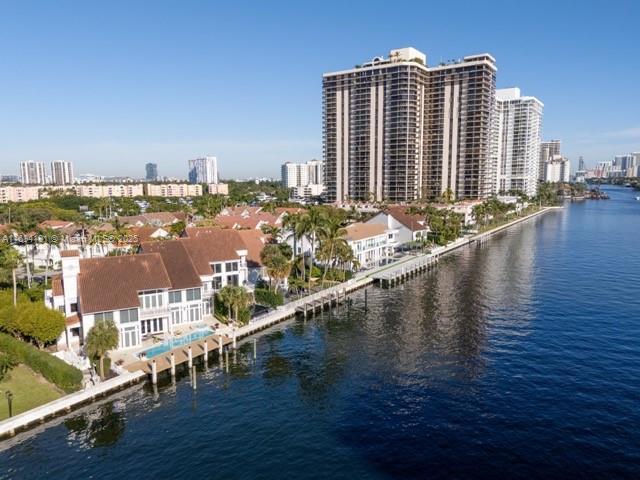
x: 70, y: 271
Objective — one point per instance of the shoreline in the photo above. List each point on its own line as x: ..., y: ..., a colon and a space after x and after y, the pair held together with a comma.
x: 392, y: 274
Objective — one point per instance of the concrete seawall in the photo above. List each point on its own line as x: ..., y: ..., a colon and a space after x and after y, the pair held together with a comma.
x: 22, y: 421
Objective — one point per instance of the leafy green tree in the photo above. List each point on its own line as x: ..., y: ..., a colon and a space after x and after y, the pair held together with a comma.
x: 38, y: 323
x: 102, y: 337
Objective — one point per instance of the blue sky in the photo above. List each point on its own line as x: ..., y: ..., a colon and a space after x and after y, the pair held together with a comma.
x: 112, y: 85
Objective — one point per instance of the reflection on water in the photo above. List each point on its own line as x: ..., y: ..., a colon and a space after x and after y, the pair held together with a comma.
x: 99, y: 428
x: 516, y: 357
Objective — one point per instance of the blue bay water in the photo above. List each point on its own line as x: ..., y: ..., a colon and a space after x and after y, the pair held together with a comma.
x: 518, y: 358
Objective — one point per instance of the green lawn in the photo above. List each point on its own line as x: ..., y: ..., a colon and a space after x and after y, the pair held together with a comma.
x: 29, y: 390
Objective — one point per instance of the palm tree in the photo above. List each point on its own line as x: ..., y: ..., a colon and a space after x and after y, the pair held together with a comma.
x: 10, y: 259
x: 25, y: 230
x: 313, y: 222
x: 331, y: 239
x: 52, y: 238
x: 102, y: 337
x: 278, y: 266
x: 290, y: 224
x: 235, y: 298
x: 448, y: 196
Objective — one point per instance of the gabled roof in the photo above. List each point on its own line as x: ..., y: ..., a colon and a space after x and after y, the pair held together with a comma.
x: 213, y: 246
x: 156, y: 218
x: 360, y: 231
x: 113, y: 283
x: 56, y: 224
x: 182, y: 272
x: 148, y: 233
x: 253, y: 221
x: 255, y: 241
x: 413, y: 222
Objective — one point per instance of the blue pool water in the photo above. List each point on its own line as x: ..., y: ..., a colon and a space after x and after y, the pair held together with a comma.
x: 519, y: 358
x: 172, y: 343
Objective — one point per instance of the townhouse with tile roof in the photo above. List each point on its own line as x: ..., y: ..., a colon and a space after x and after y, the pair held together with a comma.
x: 168, y: 284
x: 411, y: 227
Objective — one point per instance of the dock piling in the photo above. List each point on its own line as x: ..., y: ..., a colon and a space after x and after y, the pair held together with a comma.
x: 255, y: 342
x: 190, y: 357
x: 154, y: 372
x: 173, y: 365
x: 206, y: 351
x: 194, y: 382
x: 220, y: 345
x: 226, y: 360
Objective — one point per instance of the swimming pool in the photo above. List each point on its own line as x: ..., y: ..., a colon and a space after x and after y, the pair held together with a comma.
x: 172, y: 343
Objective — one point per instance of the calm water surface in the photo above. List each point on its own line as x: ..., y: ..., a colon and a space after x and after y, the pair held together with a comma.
x: 519, y: 358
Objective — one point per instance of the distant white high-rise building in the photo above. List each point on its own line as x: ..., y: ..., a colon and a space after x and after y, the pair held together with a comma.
x: 62, y: 172
x: 518, y: 131
x: 32, y: 173
x: 547, y: 150
x: 203, y: 170
x: 302, y: 174
x: 303, y: 179
x: 557, y: 169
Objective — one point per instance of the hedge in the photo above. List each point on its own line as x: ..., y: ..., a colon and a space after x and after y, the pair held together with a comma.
x: 267, y: 297
x: 61, y: 374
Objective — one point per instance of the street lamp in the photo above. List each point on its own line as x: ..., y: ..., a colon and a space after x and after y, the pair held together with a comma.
x: 9, y: 396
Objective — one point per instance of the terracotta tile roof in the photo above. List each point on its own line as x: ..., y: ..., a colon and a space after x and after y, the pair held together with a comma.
x: 359, y: 231
x: 57, y: 224
x: 113, y: 283
x: 72, y: 321
x: 56, y: 285
x: 255, y: 241
x: 413, y: 222
x: 240, y: 210
x: 182, y: 272
x: 69, y: 253
x: 148, y: 233
x: 195, y: 231
x: 159, y: 219
x: 288, y: 210
x: 253, y: 221
x: 214, y: 246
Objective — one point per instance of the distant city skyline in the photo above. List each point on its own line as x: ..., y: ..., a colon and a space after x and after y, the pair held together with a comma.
x: 177, y: 92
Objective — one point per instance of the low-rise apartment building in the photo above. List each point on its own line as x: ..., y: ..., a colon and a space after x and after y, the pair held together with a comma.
x: 173, y: 190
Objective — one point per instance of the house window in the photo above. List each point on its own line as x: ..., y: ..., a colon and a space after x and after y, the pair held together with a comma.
x: 232, y: 279
x: 175, y: 297
x: 217, y: 268
x: 194, y: 313
x: 103, y: 316
x: 193, y: 294
x: 153, y: 325
x: 130, y: 315
x: 231, y: 267
x: 217, y: 283
x: 151, y: 300
x: 74, y: 307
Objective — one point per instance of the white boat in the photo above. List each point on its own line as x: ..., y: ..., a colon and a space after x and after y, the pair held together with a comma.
x: 638, y: 198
